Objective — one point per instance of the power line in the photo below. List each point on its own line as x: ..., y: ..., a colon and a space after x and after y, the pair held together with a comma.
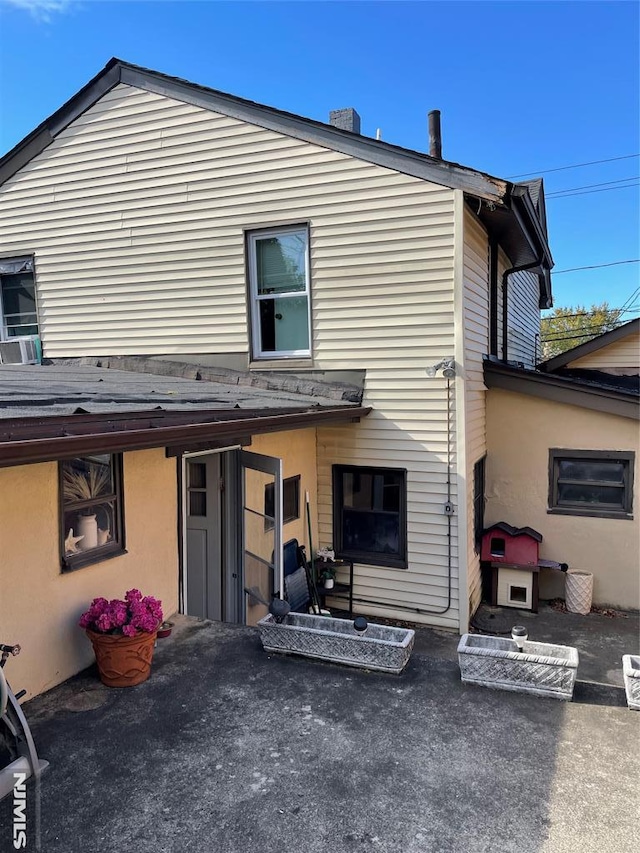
x: 589, y: 192
x: 589, y: 186
x: 574, y: 166
x: 622, y: 310
x: 588, y: 333
x: 596, y: 266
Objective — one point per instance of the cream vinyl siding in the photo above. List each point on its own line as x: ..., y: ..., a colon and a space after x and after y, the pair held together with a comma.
x: 136, y: 213
x: 394, y: 319
x: 476, y: 346
x: 621, y: 357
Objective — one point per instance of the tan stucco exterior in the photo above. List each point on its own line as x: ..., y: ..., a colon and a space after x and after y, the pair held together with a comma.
x: 297, y: 449
x: 521, y: 430
x: 39, y: 605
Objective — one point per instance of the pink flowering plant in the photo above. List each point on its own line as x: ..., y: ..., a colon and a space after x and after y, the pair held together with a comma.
x: 132, y: 616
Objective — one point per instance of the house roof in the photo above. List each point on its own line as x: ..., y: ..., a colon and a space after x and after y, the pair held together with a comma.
x: 61, y: 411
x: 523, y: 234
x: 617, y: 395
x: 595, y: 344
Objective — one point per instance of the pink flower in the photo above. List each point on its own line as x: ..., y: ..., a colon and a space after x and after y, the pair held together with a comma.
x: 126, y: 617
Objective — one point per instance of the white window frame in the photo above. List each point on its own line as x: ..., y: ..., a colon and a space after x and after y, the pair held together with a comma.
x: 255, y: 298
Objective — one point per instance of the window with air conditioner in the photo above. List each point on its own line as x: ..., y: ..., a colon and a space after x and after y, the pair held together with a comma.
x: 18, y: 314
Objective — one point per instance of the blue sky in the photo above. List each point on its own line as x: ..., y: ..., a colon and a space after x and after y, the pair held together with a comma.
x: 524, y: 87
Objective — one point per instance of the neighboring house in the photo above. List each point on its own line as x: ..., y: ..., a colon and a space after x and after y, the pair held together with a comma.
x: 563, y: 454
x: 153, y: 217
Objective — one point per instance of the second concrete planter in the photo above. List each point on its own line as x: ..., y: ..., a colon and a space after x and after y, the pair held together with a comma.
x: 543, y: 669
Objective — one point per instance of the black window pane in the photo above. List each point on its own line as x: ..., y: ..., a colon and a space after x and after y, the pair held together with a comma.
x: 18, y: 294
x: 371, y: 532
x: 608, y: 471
x: 198, y: 503
x: 589, y: 494
x: 197, y: 475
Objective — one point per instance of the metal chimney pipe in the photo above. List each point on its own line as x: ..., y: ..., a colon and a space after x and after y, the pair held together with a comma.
x: 435, y: 137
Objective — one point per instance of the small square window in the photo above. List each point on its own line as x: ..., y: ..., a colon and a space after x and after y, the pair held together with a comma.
x: 91, y: 527
x: 290, y: 501
x: 279, y: 293
x: 591, y: 483
x: 370, y: 515
x: 18, y: 315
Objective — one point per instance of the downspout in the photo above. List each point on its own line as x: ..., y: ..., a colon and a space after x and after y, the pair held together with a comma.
x: 493, y: 296
x: 505, y: 307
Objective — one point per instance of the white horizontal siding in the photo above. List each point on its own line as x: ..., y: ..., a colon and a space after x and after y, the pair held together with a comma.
x: 136, y: 214
x: 476, y: 346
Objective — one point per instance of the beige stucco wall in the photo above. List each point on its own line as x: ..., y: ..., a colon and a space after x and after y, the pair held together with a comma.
x: 40, y: 606
x: 521, y: 430
x: 297, y: 449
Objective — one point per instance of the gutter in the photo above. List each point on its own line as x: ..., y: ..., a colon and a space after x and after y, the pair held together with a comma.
x: 110, y: 434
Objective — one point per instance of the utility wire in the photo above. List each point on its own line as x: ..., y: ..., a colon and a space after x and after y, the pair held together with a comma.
x: 596, y: 266
x: 622, y: 310
x: 589, y: 186
x: 589, y: 192
x: 630, y: 299
x: 574, y: 166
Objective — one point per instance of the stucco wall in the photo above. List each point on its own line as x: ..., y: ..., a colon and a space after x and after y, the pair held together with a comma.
x: 520, y: 431
x: 297, y: 449
x: 40, y: 606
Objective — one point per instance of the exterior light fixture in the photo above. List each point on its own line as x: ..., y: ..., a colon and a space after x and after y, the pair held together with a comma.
x: 447, y: 365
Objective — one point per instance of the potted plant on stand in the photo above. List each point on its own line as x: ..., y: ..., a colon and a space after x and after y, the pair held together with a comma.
x: 123, y: 634
x: 328, y: 576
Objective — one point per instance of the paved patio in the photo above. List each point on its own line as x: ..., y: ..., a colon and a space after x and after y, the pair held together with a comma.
x: 230, y: 750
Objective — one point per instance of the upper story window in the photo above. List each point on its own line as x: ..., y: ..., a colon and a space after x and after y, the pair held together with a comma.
x: 17, y: 298
x: 91, y: 511
x: 591, y: 482
x: 279, y: 293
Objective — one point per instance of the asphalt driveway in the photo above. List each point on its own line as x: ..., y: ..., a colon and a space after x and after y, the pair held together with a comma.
x: 228, y: 749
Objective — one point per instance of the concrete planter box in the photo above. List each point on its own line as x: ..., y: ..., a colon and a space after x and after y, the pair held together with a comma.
x: 631, y: 673
x: 541, y: 668
x: 335, y: 640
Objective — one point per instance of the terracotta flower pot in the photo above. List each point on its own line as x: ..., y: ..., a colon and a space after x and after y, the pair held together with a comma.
x: 123, y: 661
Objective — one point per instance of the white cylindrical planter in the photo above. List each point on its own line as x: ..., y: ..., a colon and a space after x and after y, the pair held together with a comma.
x: 88, y: 529
x: 579, y: 591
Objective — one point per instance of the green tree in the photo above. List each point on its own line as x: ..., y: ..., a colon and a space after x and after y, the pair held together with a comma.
x: 565, y: 328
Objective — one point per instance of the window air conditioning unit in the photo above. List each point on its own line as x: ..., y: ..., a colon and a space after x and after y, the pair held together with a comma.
x: 20, y: 350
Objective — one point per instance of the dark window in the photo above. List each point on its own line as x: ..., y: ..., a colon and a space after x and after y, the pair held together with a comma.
x: 478, y: 501
x: 590, y: 482
x: 369, y: 515
x: 290, y: 501
x: 91, y: 527
x: 18, y: 314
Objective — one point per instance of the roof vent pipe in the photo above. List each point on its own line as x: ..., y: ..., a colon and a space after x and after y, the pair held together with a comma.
x: 435, y: 137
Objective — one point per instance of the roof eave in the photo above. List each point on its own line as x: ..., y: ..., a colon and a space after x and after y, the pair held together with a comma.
x: 561, y: 390
x: 375, y: 151
x: 50, y: 439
